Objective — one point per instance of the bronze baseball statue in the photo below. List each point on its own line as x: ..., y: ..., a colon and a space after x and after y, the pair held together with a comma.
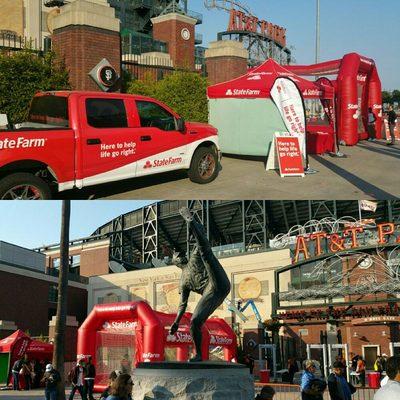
x: 202, y: 274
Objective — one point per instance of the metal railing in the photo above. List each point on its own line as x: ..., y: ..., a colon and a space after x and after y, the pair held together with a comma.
x: 293, y: 392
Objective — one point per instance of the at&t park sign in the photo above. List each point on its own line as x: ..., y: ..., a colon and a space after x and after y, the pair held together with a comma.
x: 241, y: 22
x: 345, y: 240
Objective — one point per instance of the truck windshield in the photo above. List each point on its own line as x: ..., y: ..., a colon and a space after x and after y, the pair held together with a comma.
x: 49, y: 110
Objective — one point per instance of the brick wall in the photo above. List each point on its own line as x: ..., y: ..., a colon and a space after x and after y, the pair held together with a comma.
x: 83, y: 47
x: 221, y: 69
x: 181, y: 51
x: 24, y: 300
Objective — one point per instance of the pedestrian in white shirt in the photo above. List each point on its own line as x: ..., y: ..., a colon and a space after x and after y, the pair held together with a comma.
x: 391, y: 391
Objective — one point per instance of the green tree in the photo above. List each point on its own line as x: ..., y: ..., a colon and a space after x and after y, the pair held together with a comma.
x: 184, y: 92
x: 396, y: 96
x: 386, y: 96
x: 24, y: 73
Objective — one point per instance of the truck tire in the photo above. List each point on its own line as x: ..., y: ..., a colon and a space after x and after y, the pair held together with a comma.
x: 204, y: 167
x: 24, y: 186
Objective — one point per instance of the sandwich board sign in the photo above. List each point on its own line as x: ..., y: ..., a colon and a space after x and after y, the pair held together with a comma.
x: 289, y: 156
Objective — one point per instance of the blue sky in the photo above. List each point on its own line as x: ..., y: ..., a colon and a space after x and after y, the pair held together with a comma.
x: 369, y: 27
x: 33, y: 224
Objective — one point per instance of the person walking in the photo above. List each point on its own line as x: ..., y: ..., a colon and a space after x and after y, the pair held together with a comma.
x: 311, y: 387
x: 50, y: 380
x: 77, y: 376
x: 292, y: 368
x: 15, y: 370
x: 391, y: 391
x: 392, y: 119
x: 121, y: 388
x: 371, y: 125
x: 361, y: 370
x: 339, y: 388
x: 89, y: 378
x: 378, y: 366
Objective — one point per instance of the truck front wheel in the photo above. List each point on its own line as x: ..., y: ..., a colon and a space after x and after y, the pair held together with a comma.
x: 24, y: 186
x: 204, y: 167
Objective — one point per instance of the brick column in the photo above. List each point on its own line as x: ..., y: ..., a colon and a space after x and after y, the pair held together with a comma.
x: 71, y: 336
x: 85, y: 32
x: 178, y: 32
x: 225, y: 60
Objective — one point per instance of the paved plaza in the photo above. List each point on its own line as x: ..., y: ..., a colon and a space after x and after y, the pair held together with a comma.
x: 369, y: 171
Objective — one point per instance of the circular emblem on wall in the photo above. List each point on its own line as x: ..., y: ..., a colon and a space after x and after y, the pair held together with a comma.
x: 249, y: 288
x: 107, y: 76
x: 185, y: 34
x: 365, y: 262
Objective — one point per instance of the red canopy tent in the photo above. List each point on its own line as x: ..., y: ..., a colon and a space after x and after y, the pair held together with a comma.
x: 257, y: 84
x: 16, y: 346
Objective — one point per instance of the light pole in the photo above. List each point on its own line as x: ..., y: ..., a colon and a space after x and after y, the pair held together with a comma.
x: 317, y: 39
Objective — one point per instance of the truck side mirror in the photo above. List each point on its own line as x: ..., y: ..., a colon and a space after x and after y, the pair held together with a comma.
x: 180, y: 125
x: 3, y: 121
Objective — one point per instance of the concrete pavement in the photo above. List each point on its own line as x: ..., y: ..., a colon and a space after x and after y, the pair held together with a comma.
x: 370, y: 171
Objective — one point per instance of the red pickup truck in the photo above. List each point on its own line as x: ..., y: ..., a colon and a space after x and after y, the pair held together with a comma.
x: 77, y: 139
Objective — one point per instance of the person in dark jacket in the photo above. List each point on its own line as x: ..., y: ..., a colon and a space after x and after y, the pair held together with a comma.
x: 89, y: 378
x: 292, y: 368
x: 50, y: 379
x: 339, y: 388
x: 392, y: 117
x: 77, y: 376
x: 17, y: 366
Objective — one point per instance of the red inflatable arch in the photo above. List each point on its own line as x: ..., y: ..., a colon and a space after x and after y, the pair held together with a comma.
x: 358, y: 87
x: 120, y: 335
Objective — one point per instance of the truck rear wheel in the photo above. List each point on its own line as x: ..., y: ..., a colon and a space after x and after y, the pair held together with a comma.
x: 24, y: 186
x: 204, y: 167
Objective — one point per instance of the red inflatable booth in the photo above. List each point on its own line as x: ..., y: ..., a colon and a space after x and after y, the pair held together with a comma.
x: 118, y: 336
x: 358, y: 88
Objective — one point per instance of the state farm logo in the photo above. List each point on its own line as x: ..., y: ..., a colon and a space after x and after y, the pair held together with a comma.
x: 312, y: 92
x: 150, y: 356
x: 352, y: 106
x: 254, y: 78
x: 147, y: 165
x: 21, y: 142
x: 180, y: 337
x: 162, y: 162
x: 242, y: 92
x: 220, y: 340
x: 361, y: 78
x: 119, y: 325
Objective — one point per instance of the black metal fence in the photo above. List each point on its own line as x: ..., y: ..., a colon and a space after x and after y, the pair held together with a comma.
x: 148, y: 67
x: 10, y: 42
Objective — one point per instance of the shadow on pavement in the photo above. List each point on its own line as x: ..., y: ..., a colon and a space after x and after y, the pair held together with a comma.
x: 387, y: 151
x: 366, y: 187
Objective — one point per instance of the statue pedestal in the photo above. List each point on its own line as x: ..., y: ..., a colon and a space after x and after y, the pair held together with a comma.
x: 192, y: 381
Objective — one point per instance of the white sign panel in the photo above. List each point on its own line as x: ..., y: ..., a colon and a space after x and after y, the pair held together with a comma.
x: 287, y: 98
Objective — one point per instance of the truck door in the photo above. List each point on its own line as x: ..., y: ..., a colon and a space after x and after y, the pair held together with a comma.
x: 108, y: 140
x: 162, y: 146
